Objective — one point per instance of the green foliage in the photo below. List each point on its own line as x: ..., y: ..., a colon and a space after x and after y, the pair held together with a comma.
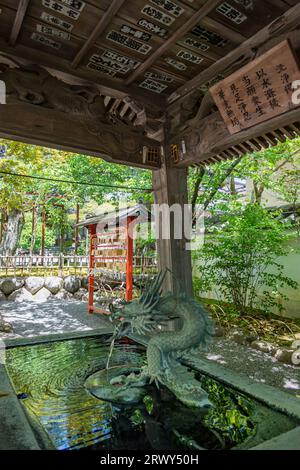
x: 231, y: 414
x: 60, y: 198
x: 149, y: 404
x: 241, y: 258
x: 25, y: 241
x: 275, y: 168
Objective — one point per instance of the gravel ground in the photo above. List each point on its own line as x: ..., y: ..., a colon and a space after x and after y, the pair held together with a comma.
x: 57, y: 316
x: 54, y: 316
x: 259, y: 366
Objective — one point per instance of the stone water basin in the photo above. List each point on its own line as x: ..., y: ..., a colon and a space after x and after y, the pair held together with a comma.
x: 50, y: 378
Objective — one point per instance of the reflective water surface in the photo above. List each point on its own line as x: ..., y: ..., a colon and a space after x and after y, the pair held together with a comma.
x: 49, y: 379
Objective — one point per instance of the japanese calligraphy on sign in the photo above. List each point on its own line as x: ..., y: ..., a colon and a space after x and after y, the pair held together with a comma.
x: 169, y: 6
x: 100, y: 68
x: 259, y: 91
x: 106, y: 62
x: 152, y: 85
x: 231, y: 13
x: 162, y: 32
x: 212, y: 38
x: 189, y: 56
x: 162, y: 77
x: 129, y: 42
x: 62, y: 9
x: 136, y: 33
x: 175, y: 63
x: 194, y: 43
x: 121, y: 59
x: 50, y: 31
x: 45, y: 41
x: 157, y: 15
x: 54, y: 20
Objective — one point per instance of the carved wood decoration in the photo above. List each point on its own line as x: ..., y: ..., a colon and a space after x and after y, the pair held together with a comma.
x: 96, y: 119
x: 259, y: 91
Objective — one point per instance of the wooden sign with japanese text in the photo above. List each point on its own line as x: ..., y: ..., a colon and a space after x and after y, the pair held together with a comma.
x: 259, y: 91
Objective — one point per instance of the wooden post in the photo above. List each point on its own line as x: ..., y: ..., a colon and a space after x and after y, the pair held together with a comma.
x: 129, y: 259
x: 91, y: 277
x: 170, y: 187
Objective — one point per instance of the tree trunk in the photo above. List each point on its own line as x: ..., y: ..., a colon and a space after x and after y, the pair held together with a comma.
x: 199, y: 178
x: 33, y: 229
x: 12, y: 234
x: 258, y: 189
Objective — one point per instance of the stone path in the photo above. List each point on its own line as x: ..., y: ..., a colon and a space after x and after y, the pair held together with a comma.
x: 259, y: 366
x: 53, y: 316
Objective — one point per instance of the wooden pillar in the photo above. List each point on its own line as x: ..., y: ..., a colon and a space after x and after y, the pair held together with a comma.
x: 170, y: 187
x: 91, y: 277
x: 129, y: 259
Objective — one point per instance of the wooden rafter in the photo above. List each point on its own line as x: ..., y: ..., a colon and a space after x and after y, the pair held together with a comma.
x: 22, y: 8
x: 284, y: 23
x: 186, y: 27
x: 224, y: 31
x: 100, y: 28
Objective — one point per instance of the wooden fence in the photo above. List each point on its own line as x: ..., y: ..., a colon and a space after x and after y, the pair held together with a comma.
x: 62, y: 265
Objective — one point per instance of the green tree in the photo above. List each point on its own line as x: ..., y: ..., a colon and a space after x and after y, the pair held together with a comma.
x: 20, y: 195
x: 240, y: 258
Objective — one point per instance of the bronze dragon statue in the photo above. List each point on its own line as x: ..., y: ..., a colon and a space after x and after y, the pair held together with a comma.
x: 146, y: 317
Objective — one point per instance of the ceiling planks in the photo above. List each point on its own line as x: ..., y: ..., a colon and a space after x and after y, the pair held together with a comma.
x: 201, y: 13
x: 286, y: 22
x: 100, y: 28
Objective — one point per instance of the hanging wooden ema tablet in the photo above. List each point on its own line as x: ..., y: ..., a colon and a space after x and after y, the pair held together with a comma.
x: 259, y: 91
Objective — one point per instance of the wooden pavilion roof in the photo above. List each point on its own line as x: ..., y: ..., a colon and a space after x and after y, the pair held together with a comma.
x: 153, y: 62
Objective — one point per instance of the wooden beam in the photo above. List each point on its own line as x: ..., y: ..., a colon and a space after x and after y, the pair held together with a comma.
x: 289, y: 20
x: 99, y: 29
x: 211, y: 136
x: 107, y: 86
x: 36, y: 125
x: 222, y: 30
x: 22, y: 8
x: 189, y: 24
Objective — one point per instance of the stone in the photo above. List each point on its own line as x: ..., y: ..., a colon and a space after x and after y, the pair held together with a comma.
x: 10, y: 284
x: 250, y: 337
x: 5, y: 327
x: 297, y: 335
x: 20, y: 295
x: 2, y: 296
x: 84, y: 283
x: 263, y: 346
x: 219, y: 331
x: 33, y: 284
x: 237, y: 336
x: 41, y: 296
x: 81, y: 294
x: 284, y: 355
x: 71, y: 284
x: 53, y: 284
x: 63, y: 294
x: 296, y: 344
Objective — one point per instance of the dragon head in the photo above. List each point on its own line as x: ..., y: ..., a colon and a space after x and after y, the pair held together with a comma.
x: 140, y: 315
